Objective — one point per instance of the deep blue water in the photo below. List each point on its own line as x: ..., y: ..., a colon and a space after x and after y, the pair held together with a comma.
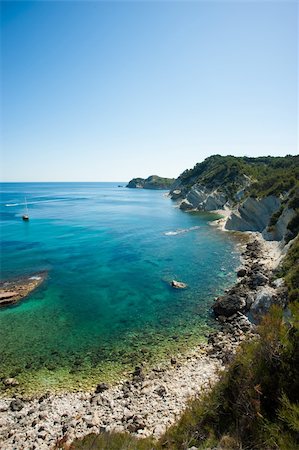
x: 110, y: 253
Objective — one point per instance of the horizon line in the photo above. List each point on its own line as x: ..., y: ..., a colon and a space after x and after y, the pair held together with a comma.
x: 77, y: 181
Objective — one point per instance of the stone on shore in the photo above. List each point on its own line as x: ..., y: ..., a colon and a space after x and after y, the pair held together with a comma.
x: 241, y: 273
x: 229, y: 304
x: 16, y: 405
x: 101, y: 388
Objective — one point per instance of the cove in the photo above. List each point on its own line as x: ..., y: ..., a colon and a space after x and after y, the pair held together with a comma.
x: 110, y: 254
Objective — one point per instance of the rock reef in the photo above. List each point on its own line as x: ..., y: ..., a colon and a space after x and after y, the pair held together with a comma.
x: 11, y: 292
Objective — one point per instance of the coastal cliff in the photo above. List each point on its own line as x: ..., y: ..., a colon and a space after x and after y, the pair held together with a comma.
x: 243, y: 381
x: 261, y: 194
x: 255, y: 402
x: 152, y: 182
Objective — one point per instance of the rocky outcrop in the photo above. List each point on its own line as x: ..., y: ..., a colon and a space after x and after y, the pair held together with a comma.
x: 13, y: 291
x: 255, y: 290
x: 280, y: 230
x: 178, y: 284
x: 152, y: 182
x: 253, y: 187
x: 200, y: 198
x: 256, y: 214
x: 253, y: 214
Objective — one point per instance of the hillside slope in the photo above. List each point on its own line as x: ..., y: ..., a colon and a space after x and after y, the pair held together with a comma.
x: 152, y: 182
x: 263, y: 193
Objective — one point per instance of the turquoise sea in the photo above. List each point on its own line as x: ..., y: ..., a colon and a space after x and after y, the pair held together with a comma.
x: 106, y: 305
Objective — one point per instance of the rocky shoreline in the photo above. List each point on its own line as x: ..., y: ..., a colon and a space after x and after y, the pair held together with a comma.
x: 12, y: 291
x: 149, y: 402
x: 256, y: 289
x: 146, y: 404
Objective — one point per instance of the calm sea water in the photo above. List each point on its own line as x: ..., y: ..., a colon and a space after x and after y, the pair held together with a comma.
x: 110, y: 253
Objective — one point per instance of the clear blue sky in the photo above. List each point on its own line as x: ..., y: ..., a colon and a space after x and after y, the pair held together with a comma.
x: 99, y: 91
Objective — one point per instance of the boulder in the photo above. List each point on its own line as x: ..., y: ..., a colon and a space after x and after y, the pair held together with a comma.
x: 241, y: 273
x: 279, y: 283
x: 161, y: 391
x: 258, y: 279
x: 9, y: 382
x: 177, y: 193
x: 264, y: 298
x: 186, y: 205
x: 101, y: 388
x: 138, y: 375
x: 16, y: 405
x: 229, y: 304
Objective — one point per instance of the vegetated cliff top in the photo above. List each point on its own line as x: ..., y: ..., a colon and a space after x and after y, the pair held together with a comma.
x: 262, y: 176
x: 152, y: 182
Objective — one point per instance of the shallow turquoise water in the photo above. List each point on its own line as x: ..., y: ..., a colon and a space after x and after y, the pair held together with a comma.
x: 107, y: 303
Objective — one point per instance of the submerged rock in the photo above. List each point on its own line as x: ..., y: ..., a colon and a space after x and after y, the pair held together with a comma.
x: 9, y: 382
x: 138, y: 375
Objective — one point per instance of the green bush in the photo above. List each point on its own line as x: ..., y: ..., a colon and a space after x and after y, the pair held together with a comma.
x: 256, y: 402
x: 290, y: 270
x: 255, y: 405
x: 111, y: 441
x: 268, y: 175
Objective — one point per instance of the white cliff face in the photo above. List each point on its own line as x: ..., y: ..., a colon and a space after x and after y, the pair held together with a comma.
x: 280, y: 229
x: 250, y: 215
x: 265, y: 297
x: 253, y: 214
x: 203, y: 199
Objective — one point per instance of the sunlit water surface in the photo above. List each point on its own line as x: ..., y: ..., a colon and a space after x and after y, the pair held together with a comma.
x: 107, y: 304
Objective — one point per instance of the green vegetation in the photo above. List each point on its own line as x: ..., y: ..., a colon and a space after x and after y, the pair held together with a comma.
x: 111, y: 441
x: 254, y: 406
x: 152, y: 182
x: 256, y: 402
x: 274, y: 218
x: 259, y: 176
x: 290, y: 271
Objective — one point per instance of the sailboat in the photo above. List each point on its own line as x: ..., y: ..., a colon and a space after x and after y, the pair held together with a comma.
x: 26, y: 215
